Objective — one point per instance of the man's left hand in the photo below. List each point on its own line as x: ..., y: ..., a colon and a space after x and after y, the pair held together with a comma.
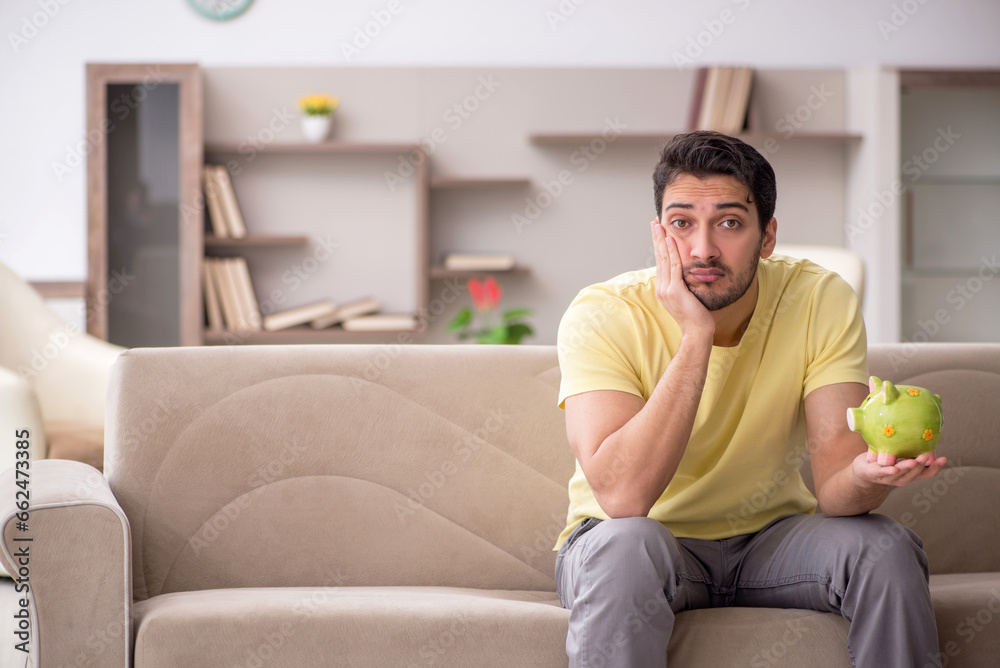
x: 896, y: 472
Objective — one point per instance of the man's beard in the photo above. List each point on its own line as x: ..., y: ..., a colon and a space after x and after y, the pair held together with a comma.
x: 713, y: 300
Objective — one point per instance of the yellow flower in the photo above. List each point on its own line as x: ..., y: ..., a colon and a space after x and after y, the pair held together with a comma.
x: 318, y: 105
x: 888, y: 430
x: 928, y: 434
x: 913, y: 391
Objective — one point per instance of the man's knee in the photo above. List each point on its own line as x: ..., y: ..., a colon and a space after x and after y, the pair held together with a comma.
x: 888, y: 546
x: 630, y: 540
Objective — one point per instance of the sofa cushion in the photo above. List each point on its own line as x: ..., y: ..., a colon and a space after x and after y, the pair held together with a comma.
x: 299, y: 627
x: 759, y: 637
x: 967, y: 610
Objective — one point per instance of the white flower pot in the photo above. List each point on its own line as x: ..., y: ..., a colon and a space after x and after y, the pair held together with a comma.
x: 316, y: 129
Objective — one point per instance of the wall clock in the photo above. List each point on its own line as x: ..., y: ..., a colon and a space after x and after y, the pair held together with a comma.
x: 220, y: 10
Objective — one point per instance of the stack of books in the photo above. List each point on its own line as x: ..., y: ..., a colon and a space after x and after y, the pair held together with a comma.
x: 231, y: 305
x: 721, y: 99
x: 230, y: 301
x: 220, y: 199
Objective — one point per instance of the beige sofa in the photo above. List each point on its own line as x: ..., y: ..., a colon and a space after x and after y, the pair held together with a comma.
x: 396, y: 506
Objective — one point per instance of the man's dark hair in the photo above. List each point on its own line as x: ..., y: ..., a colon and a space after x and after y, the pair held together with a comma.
x: 705, y: 153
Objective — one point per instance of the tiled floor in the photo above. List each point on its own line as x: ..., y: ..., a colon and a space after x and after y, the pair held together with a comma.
x: 9, y: 657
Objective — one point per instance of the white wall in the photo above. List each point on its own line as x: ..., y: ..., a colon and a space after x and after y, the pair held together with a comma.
x: 47, y: 43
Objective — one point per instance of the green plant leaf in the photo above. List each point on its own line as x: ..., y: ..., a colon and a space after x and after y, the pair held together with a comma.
x: 518, y: 331
x: 461, y: 320
x: 515, y: 313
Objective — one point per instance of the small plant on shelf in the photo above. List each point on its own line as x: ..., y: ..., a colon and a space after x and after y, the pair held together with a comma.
x: 318, y: 105
x: 318, y: 118
x: 484, y: 322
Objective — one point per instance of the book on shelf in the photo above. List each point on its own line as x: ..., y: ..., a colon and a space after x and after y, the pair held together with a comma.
x: 248, y: 297
x: 479, y: 261
x: 721, y: 99
x: 299, y: 315
x: 229, y: 208
x: 226, y: 292
x: 353, y: 309
x: 213, y: 200
x: 381, y: 322
x: 234, y: 294
x: 213, y: 309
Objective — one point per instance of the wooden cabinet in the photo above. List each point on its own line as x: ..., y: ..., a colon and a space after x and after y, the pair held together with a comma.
x: 144, y: 138
x: 950, y: 168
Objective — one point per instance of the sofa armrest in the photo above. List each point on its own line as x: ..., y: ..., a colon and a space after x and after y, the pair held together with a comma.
x: 70, y: 564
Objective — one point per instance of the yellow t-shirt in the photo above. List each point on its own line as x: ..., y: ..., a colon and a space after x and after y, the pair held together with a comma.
x: 740, y: 470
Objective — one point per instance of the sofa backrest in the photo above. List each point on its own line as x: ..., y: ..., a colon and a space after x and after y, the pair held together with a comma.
x: 254, y: 466
x: 431, y: 465
x: 956, y: 512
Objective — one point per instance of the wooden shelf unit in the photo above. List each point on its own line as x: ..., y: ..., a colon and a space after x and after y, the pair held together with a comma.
x: 455, y: 182
x: 256, y: 240
x: 438, y: 272
x: 557, y: 138
x: 219, y: 151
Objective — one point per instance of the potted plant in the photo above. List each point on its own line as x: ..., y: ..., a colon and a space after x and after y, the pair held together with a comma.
x: 487, y: 324
x: 318, y: 110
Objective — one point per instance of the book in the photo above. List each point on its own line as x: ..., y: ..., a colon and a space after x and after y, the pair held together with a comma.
x: 710, y: 99
x: 299, y: 315
x: 349, y: 310
x: 226, y: 293
x: 212, y: 307
x: 479, y: 261
x: 247, y: 295
x: 696, y: 100
x: 737, y: 101
x: 381, y: 322
x: 230, y: 207
x: 214, y: 203
x: 724, y: 99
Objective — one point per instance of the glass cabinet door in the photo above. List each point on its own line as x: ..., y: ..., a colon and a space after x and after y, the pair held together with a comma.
x: 143, y: 190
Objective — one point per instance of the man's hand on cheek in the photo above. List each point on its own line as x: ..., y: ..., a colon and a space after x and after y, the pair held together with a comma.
x: 671, y: 290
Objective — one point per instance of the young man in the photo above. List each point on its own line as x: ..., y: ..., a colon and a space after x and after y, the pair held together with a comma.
x: 690, y: 390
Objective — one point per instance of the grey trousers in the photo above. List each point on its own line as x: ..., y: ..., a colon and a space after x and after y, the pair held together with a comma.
x: 623, y: 581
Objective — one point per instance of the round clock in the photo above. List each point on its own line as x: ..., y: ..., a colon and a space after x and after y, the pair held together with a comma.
x: 220, y: 10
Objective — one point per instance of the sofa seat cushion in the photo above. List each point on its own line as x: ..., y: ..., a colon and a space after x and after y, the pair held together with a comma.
x: 967, y: 610
x: 759, y: 637
x: 299, y: 627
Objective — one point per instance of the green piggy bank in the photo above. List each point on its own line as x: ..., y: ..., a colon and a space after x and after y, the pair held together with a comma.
x: 897, y: 420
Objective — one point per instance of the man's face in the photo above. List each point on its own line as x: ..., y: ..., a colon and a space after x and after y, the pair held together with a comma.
x: 718, y: 236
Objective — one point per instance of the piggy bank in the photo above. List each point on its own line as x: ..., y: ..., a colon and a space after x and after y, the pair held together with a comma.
x: 899, y: 420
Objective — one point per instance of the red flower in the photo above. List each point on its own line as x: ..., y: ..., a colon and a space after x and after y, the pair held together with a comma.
x: 485, y: 295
